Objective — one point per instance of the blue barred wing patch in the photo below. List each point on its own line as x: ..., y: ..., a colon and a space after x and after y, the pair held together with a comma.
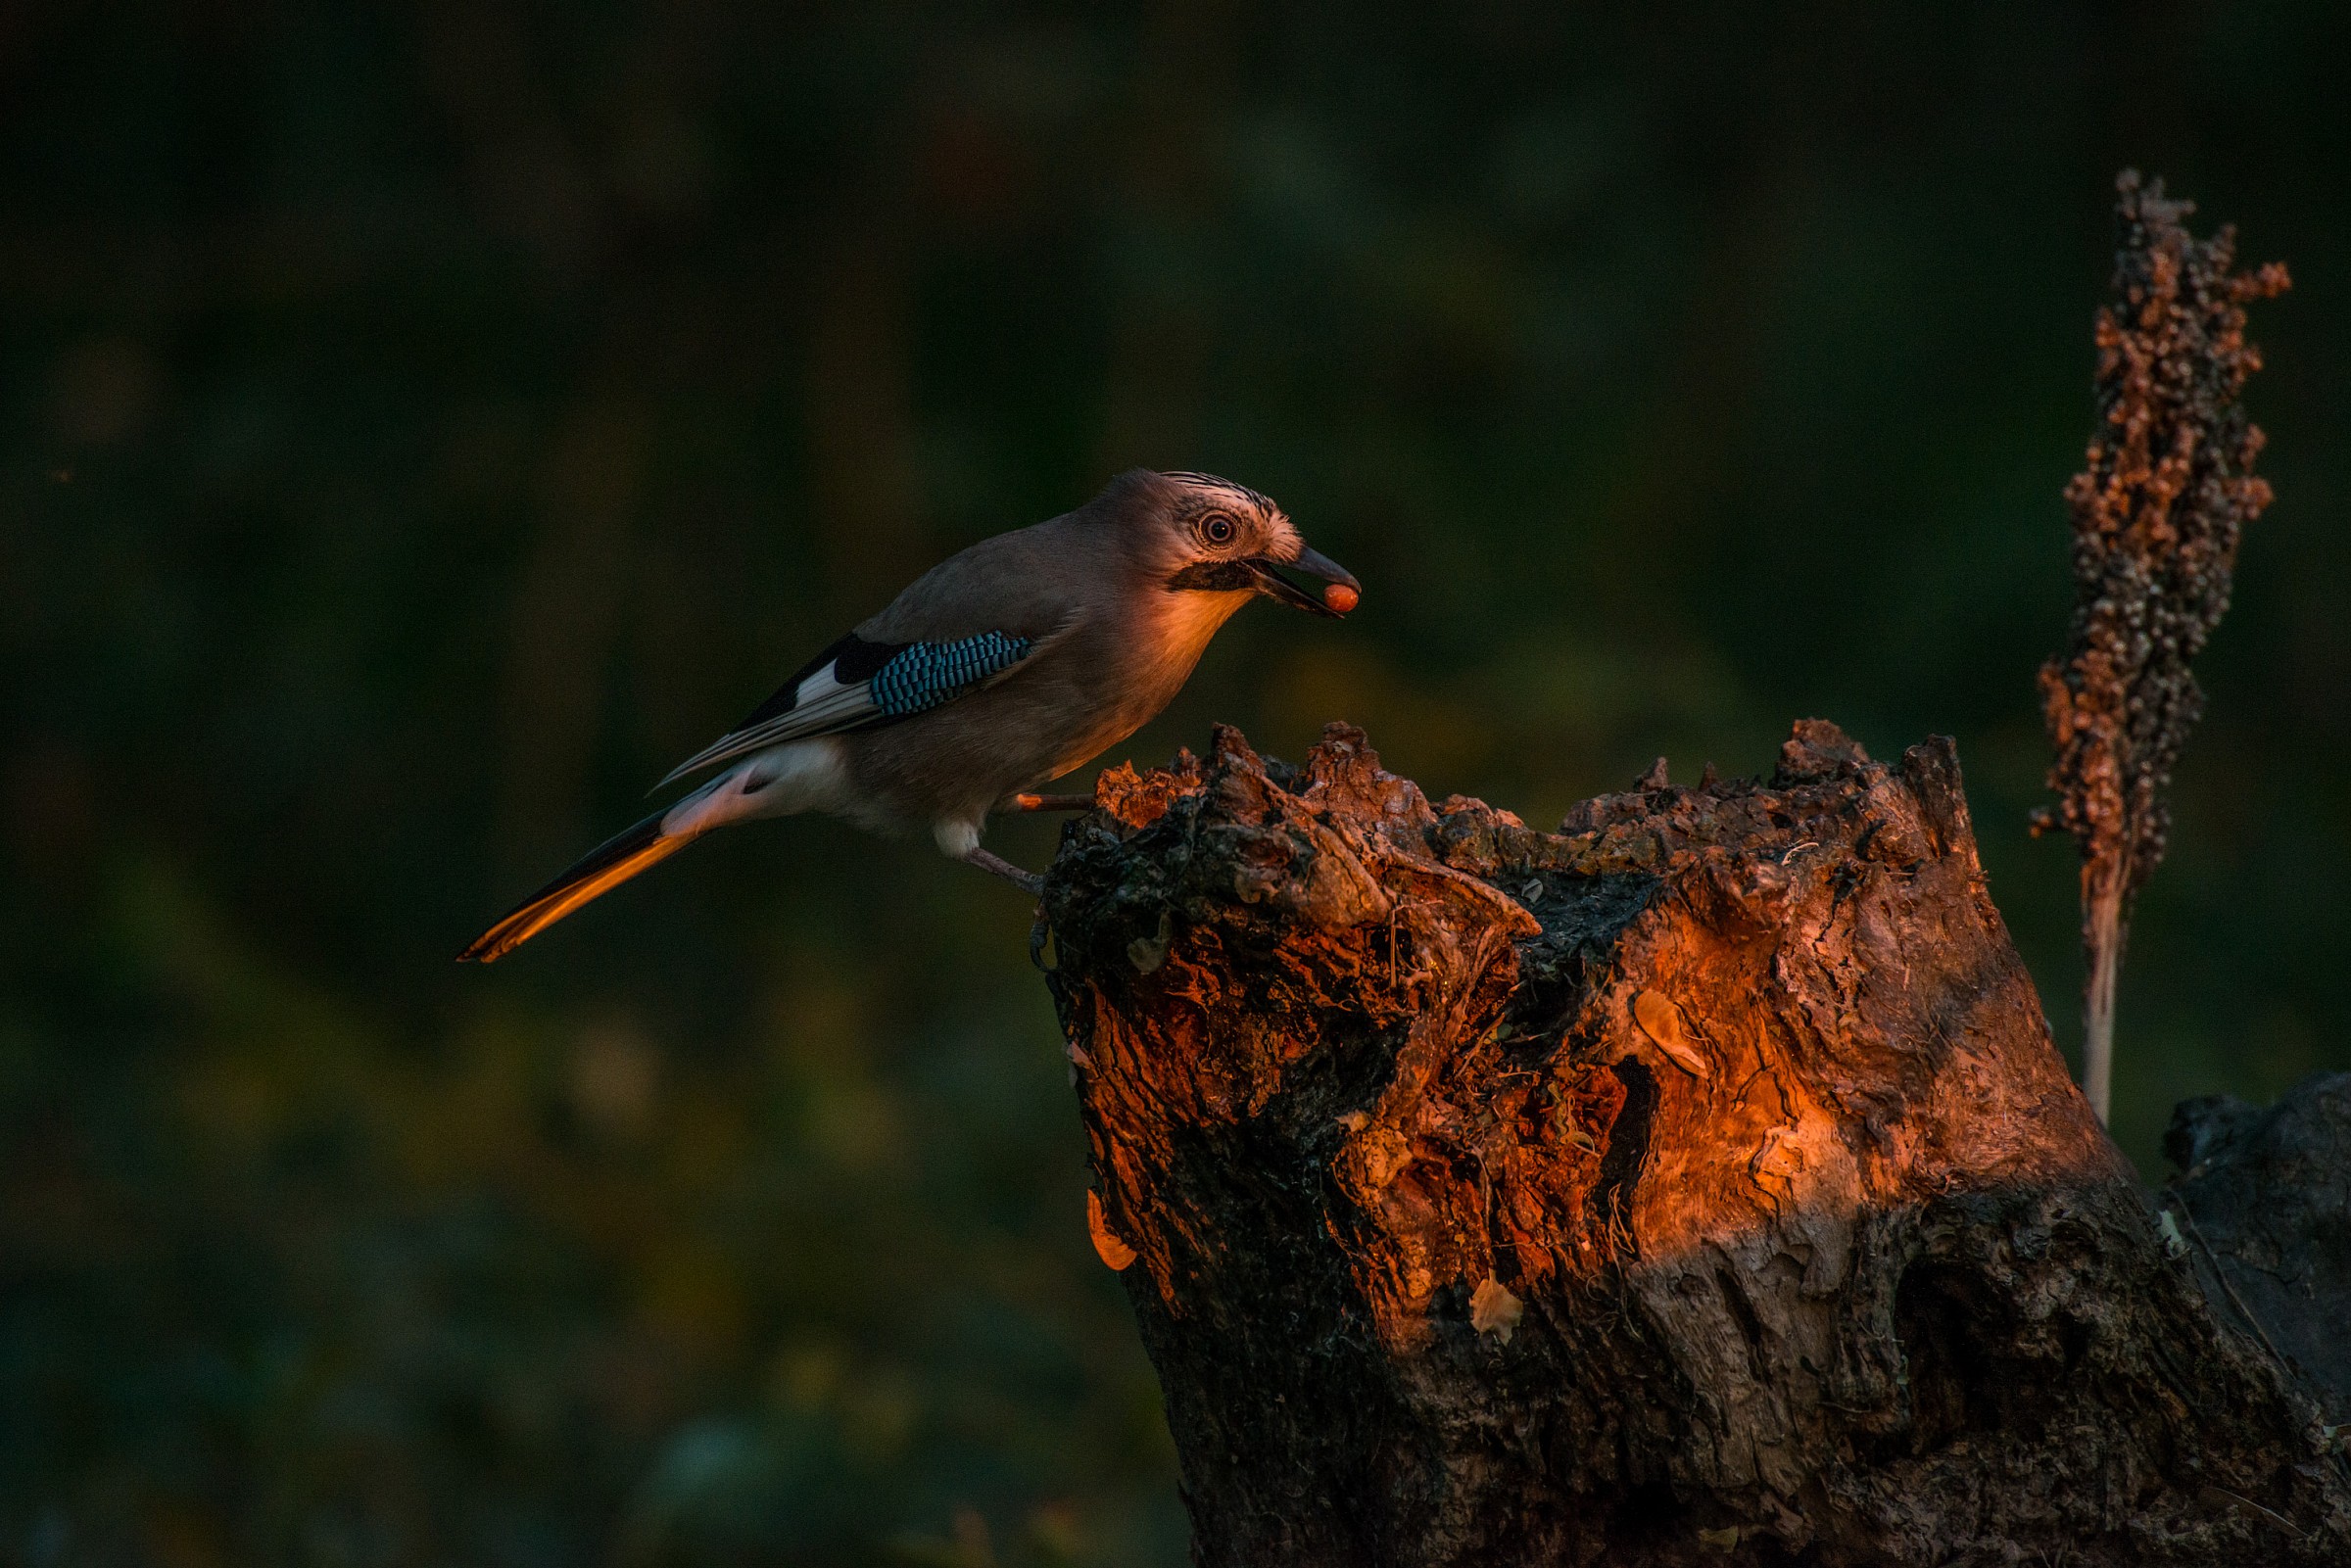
x: 924, y: 674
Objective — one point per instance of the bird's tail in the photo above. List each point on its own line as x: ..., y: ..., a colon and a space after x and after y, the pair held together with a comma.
x: 597, y: 872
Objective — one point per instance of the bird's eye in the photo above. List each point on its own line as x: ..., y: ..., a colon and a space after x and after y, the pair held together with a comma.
x: 1216, y: 529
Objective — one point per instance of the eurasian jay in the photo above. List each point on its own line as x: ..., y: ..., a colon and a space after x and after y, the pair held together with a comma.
x: 999, y: 669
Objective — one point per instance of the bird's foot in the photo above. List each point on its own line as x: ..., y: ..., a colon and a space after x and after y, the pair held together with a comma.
x: 1027, y: 881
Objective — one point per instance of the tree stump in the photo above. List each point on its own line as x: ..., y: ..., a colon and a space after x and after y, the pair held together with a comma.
x: 1697, y: 1184
x: 2265, y: 1197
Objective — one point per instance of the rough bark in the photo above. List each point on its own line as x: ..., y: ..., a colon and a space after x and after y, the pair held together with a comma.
x: 1697, y: 1184
x: 2263, y: 1204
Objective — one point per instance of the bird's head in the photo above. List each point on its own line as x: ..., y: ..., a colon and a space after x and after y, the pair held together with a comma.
x: 1213, y: 537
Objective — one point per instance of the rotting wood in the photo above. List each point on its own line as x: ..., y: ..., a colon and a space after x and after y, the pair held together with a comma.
x: 1697, y: 1184
x: 2262, y: 1200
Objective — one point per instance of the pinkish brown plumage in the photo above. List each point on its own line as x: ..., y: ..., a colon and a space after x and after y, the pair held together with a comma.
x: 1003, y: 667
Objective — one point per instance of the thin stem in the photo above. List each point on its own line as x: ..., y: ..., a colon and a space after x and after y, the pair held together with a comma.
x: 2103, y: 937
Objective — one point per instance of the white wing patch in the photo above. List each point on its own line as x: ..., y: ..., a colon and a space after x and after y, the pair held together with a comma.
x: 832, y: 707
x: 824, y: 683
x: 897, y: 683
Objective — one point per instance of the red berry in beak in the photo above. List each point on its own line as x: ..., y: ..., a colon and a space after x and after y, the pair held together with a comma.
x: 1340, y: 597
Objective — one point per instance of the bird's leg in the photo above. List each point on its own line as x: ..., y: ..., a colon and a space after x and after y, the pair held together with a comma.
x: 1027, y: 881
x: 1048, y: 803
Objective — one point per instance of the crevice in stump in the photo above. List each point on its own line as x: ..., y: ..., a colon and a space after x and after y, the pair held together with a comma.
x: 1697, y: 1184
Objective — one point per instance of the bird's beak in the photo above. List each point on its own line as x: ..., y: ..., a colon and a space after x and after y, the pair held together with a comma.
x: 1338, y: 597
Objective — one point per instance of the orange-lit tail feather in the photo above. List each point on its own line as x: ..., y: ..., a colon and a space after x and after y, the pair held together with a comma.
x: 597, y: 872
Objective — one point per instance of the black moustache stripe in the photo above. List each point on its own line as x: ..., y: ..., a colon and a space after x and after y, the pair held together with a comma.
x: 1220, y: 577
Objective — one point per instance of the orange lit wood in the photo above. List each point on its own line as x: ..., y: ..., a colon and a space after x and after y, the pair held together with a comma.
x: 1052, y: 803
x: 1697, y: 1184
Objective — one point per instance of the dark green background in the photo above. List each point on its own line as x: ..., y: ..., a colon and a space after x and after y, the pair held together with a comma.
x: 419, y: 427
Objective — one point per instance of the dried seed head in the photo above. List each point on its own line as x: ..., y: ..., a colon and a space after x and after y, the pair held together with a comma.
x: 2157, y: 513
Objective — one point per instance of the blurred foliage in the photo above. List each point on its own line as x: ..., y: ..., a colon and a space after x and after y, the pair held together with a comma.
x: 418, y: 427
